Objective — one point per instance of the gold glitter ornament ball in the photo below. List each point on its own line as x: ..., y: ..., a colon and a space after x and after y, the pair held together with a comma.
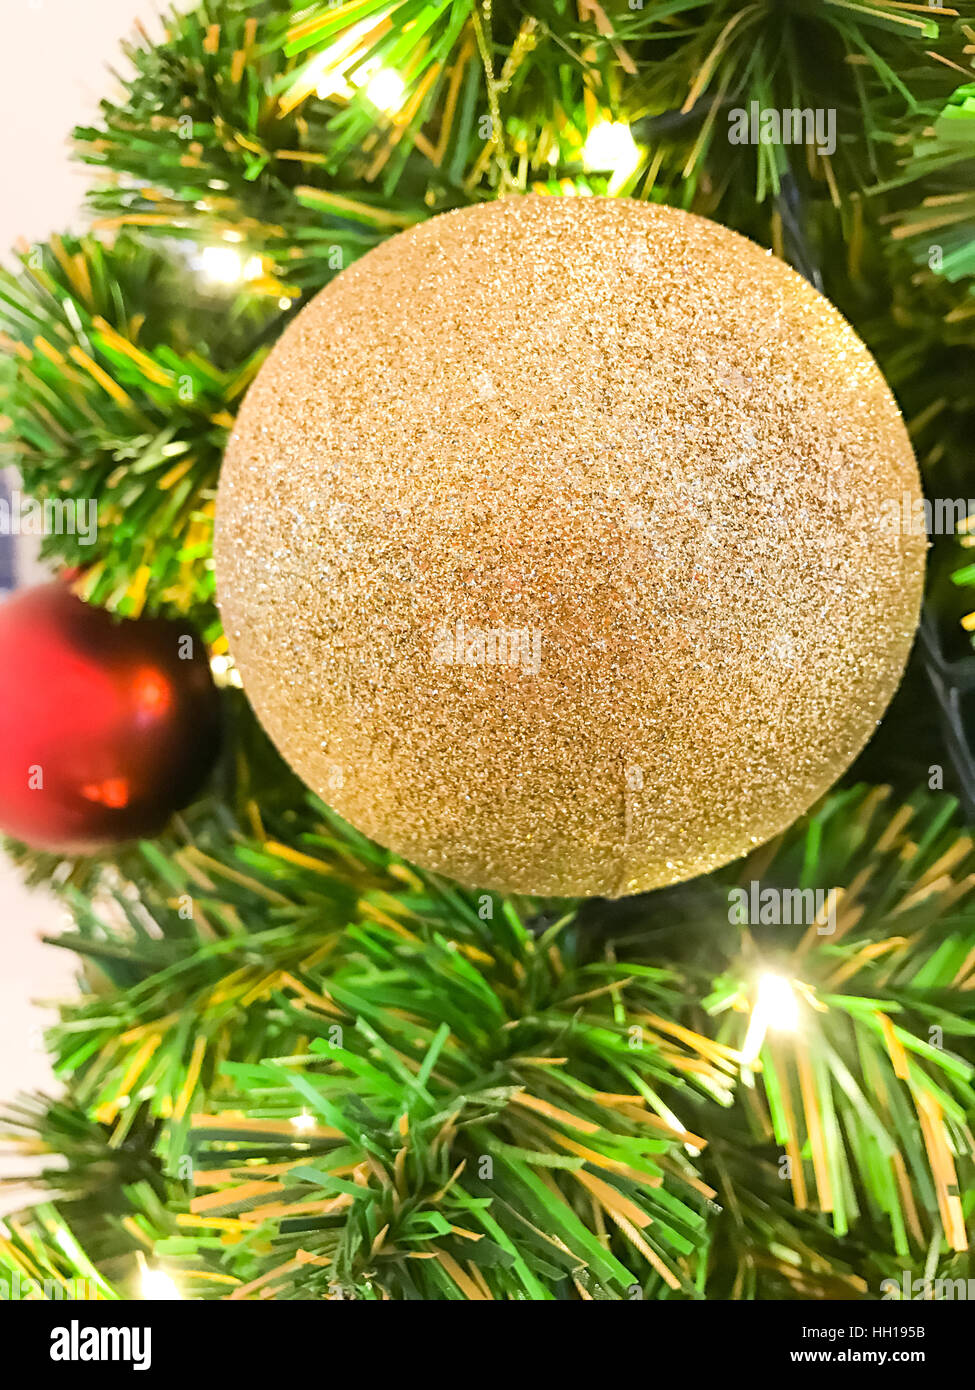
x: 554, y: 545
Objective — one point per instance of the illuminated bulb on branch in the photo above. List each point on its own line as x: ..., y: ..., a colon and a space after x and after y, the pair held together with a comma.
x: 610, y: 146
x: 386, y: 90
x: 778, y: 999
x: 158, y: 1287
x: 221, y: 264
x: 224, y: 266
x: 776, y: 1007
x: 303, y: 1122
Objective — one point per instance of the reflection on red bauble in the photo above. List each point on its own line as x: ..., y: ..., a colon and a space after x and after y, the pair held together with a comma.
x: 106, y: 727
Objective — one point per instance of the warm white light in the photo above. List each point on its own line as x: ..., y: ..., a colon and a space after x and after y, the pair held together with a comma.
x: 610, y: 146
x: 386, y: 90
x: 777, y: 999
x: 332, y: 84
x: 776, y: 1006
x: 157, y: 1286
x: 341, y: 55
x: 304, y: 1121
x: 221, y: 264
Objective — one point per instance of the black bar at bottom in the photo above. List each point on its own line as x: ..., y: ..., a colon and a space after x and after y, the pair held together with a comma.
x: 220, y: 1339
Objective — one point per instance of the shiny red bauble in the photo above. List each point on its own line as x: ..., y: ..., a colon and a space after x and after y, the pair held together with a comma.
x: 106, y: 727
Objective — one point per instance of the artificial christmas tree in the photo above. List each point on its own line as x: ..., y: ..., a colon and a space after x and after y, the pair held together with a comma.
x: 303, y: 1068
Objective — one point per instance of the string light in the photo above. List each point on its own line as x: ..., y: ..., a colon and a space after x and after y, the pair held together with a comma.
x: 776, y: 1007
x: 222, y: 265
x: 386, y: 90
x: 382, y: 86
x: 303, y: 1122
x: 610, y: 147
x: 157, y: 1286
x: 339, y: 57
x: 342, y: 69
x: 780, y: 1003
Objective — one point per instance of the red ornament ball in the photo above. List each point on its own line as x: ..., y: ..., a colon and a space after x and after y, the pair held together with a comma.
x: 106, y: 727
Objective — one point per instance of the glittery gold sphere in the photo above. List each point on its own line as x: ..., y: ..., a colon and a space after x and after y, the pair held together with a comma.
x: 555, y: 545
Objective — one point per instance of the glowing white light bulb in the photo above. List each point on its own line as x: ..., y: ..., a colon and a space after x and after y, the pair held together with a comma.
x: 777, y: 999
x: 303, y: 1122
x: 221, y: 264
x: 386, y: 90
x: 610, y: 146
x: 776, y: 1006
x: 158, y: 1286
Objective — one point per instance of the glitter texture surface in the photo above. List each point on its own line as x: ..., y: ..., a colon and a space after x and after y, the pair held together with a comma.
x: 643, y: 464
